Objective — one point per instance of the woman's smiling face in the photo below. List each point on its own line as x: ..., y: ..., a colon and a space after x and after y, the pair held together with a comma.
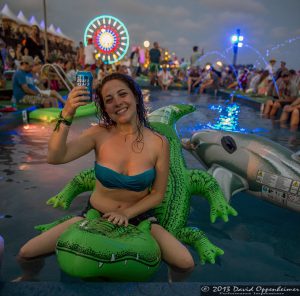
x: 119, y: 102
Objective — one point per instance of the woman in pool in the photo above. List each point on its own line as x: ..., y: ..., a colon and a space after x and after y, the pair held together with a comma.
x: 130, y: 158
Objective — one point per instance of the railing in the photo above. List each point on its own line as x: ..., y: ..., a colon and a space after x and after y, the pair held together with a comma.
x: 57, y: 70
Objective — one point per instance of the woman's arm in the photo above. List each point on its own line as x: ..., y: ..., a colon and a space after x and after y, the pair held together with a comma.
x: 59, y: 151
x: 296, y: 102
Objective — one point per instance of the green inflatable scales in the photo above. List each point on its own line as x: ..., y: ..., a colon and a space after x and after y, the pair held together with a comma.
x: 95, y: 247
x: 51, y: 114
x: 182, y: 184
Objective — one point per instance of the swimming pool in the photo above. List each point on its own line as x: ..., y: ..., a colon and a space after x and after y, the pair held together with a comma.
x: 261, y: 244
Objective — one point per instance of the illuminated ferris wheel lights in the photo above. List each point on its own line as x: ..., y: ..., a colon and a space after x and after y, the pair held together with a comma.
x: 110, y: 38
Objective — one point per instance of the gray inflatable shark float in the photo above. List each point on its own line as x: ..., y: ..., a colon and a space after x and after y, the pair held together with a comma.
x: 248, y: 162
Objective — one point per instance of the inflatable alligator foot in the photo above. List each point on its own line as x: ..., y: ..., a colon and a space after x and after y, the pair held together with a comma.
x: 82, y: 182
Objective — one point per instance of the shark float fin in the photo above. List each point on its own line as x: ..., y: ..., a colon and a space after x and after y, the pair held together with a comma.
x: 230, y: 182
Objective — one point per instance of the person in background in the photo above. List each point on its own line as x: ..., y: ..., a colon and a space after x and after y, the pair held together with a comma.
x: 24, y: 89
x: 102, y: 71
x: 263, y: 84
x: 122, y: 69
x: 282, y: 68
x: 196, y: 55
x: 194, y: 78
x: 70, y: 70
x: 89, y: 54
x: 155, y: 57
x: 80, y: 55
x: 287, y: 93
x: 134, y: 62
x: 213, y: 82
x: 165, y: 78
x: 271, y: 68
x: 291, y: 111
x: 32, y: 45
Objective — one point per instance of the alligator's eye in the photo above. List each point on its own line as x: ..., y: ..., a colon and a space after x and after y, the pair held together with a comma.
x: 228, y: 144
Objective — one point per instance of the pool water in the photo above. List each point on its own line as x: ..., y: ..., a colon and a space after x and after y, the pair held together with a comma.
x: 261, y: 244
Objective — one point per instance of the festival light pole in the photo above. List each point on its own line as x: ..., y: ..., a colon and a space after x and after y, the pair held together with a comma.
x: 236, y: 39
x: 45, y: 29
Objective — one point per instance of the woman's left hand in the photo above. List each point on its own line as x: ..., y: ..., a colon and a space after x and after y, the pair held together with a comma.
x: 116, y: 218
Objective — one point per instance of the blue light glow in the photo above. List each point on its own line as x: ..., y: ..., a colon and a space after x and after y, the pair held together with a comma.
x: 237, y: 39
x: 227, y: 119
x: 234, y: 39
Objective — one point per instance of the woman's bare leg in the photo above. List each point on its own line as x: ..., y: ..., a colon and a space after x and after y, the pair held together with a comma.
x: 177, y: 256
x: 268, y: 107
x: 276, y: 106
x: 29, y: 256
x: 285, y: 114
x: 295, y: 119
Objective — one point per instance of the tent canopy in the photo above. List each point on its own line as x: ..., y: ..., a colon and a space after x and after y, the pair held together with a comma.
x: 22, y: 19
x: 8, y: 14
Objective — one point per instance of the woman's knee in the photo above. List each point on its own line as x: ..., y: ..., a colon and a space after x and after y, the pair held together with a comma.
x: 25, y: 253
x: 269, y: 103
x: 186, y: 262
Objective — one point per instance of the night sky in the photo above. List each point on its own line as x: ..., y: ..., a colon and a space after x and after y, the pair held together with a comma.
x: 179, y: 25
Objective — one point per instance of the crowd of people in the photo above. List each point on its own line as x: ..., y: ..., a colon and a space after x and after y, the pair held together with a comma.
x: 280, y: 85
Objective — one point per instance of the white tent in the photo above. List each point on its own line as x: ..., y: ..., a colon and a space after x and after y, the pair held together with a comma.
x: 8, y: 14
x: 51, y: 30
x: 33, y: 21
x: 61, y: 34
x: 42, y: 24
x: 22, y: 19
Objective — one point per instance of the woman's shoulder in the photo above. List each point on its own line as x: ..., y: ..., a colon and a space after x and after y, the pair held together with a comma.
x: 157, y: 139
x: 96, y: 130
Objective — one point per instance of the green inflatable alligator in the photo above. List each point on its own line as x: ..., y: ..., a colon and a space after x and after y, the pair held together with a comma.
x: 172, y: 212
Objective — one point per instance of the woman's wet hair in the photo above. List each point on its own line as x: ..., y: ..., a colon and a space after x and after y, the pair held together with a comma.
x: 38, y: 33
x: 140, y: 107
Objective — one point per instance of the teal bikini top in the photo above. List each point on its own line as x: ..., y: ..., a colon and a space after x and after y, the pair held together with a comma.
x: 111, y: 179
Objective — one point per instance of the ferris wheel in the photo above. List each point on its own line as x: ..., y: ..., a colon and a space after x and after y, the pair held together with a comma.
x: 110, y: 38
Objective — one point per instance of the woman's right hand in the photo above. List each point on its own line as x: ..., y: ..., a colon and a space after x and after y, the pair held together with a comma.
x: 78, y: 96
